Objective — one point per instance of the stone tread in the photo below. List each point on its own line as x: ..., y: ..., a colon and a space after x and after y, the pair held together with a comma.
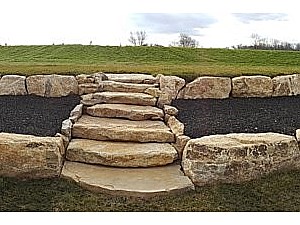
x: 132, y: 78
x: 118, y: 98
x: 97, y: 128
x: 115, y: 86
x: 138, y: 182
x: 121, y: 154
x: 132, y: 112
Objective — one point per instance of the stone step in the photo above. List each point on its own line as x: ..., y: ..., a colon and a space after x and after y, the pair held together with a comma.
x: 132, y: 112
x: 115, y: 86
x: 132, y: 78
x: 121, y: 154
x: 110, y: 129
x: 118, y: 98
x: 138, y: 182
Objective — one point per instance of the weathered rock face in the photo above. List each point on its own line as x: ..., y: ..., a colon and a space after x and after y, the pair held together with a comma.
x: 124, y: 87
x: 252, y: 86
x: 169, y: 86
x: 175, y: 125
x: 118, y: 98
x: 30, y: 156
x: 66, y: 128
x: 76, y: 113
x: 286, y: 85
x: 88, y: 88
x: 103, y: 129
x: 95, y: 78
x: 121, y: 154
x: 141, y: 182
x: 12, y: 85
x: 180, y: 143
x: 132, y: 112
x: 207, y: 87
x: 52, y: 85
x: 171, y: 110
x: 238, y: 157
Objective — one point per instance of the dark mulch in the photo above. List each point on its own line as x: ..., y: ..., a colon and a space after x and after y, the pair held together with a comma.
x: 34, y: 115
x: 239, y: 115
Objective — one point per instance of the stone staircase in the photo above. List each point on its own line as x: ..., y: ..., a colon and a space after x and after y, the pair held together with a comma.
x: 121, y: 143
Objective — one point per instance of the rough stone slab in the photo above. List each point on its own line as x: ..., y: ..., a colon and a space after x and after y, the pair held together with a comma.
x: 138, y: 182
x: 286, y: 85
x: 91, y: 78
x: 13, y: 85
x: 171, y: 110
x: 132, y: 112
x: 30, y: 156
x: 118, y: 98
x: 175, y: 125
x: 234, y: 158
x: 180, y: 143
x: 207, y: 87
x: 121, y: 154
x: 76, y: 113
x: 52, y: 85
x: 88, y: 88
x: 252, y: 86
x: 132, y: 78
x: 115, y: 86
x: 103, y: 129
x: 155, y: 92
x: 66, y: 128
x: 169, y: 86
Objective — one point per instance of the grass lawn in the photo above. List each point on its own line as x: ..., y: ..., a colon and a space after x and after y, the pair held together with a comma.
x: 185, y: 62
x: 275, y: 192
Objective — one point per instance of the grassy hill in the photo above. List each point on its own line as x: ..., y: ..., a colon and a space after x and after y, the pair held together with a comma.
x: 185, y: 62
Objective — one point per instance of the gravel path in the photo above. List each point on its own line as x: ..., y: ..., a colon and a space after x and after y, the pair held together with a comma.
x: 34, y: 115
x: 239, y: 115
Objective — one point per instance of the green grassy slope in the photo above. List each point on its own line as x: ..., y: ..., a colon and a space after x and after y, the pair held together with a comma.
x: 275, y: 192
x: 75, y: 59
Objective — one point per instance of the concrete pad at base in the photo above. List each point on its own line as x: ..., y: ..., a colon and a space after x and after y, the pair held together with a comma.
x: 138, y: 182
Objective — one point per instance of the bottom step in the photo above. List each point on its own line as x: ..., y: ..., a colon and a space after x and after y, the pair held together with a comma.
x: 138, y: 182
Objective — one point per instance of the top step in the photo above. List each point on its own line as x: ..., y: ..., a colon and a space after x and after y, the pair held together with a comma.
x: 132, y: 78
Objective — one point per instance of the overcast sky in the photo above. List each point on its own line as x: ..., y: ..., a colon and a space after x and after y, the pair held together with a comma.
x: 212, y: 23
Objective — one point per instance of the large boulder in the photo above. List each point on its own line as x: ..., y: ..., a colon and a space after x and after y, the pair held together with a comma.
x: 234, y: 158
x: 286, y: 85
x: 207, y: 87
x: 252, y: 86
x: 30, y: 156
x: 13, y: 85
x: 52, y: 85
x: 169, y: 86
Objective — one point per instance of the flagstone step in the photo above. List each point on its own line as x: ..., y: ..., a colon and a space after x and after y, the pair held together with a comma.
x: 132, y: 78
x: 112, y: 129
x: 118, y: 98
x: 115, y: 86
x: 138, y: 182
x: 132, y: 112
x: 121, y: 154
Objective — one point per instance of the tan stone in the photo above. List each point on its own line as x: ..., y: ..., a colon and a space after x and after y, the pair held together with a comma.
x: 298, y: 135
x: 121, y: 154
x: 286, y: 85
x: 115, y: 86
x: 52, y: 85
x: 95, y: 78
x: 88, y: 88
x: 132, y: 112
x: 180, y: 143
x: 76, y: 113
x: 175, y: 125
x: 155, y: 92
x: 30, y: 156
x: 118, y: 98
x: 138, y: 182
x: 12, y: 85
x: 252, y: 86
x: 235, y: 158
x: 132, y: 78
x: 207, y: 87
x: 169, y: 86
x: 171, y: 110
x: 66, y: 128
x: 96, y: 128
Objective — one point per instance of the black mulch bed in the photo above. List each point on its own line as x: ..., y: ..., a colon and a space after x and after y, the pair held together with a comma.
x: 34, y: 115
x: 239, y: 115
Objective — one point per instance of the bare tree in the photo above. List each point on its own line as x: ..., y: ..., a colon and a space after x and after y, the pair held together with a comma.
x: 186, y: 41
x: 132, y: 39
x: 137, y: 38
